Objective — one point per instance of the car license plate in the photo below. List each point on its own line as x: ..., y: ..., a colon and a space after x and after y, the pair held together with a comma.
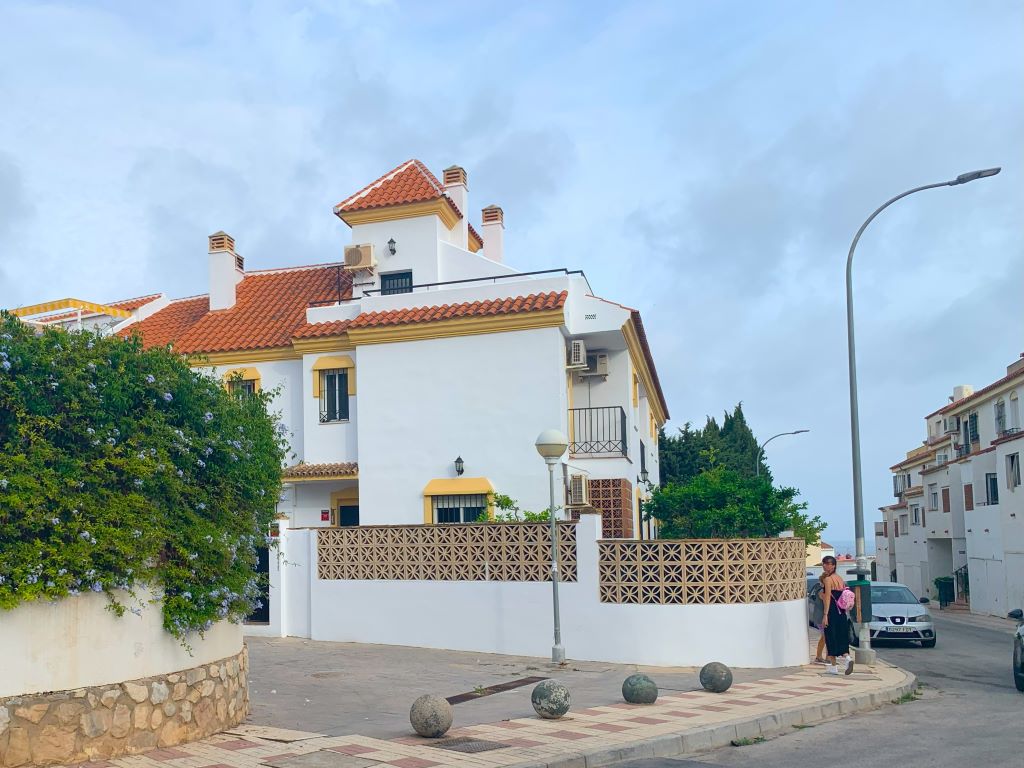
x: 900, y: 629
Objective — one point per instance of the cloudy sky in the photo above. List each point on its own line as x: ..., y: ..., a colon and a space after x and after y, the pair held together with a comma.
x: 707, y: 162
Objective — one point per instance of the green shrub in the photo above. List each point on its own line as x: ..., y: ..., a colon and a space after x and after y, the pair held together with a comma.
x: 123, y: 467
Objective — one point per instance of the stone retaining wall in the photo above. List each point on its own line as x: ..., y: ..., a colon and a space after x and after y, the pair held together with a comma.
x: 123, y: 718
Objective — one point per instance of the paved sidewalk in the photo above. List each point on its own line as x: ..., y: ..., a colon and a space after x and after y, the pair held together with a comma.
x: 680, y: 722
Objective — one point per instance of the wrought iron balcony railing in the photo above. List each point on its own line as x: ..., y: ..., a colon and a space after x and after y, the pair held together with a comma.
x: 597, y: 431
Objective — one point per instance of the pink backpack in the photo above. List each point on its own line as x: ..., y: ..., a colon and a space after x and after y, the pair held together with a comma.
x: 846, y: 600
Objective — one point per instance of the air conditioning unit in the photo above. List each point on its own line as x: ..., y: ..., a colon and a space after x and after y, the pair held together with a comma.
x: 577, y: 355
x: 359, y: 257
x: 952, y: 424
x: 597, y: 364
x: 579, y: 491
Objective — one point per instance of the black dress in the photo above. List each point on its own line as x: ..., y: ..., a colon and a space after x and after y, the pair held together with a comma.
x: 837, y: 633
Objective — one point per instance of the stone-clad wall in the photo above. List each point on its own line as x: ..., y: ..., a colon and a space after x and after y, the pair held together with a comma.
x: 122, y: 718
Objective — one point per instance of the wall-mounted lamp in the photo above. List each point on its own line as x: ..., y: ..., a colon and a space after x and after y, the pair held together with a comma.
x: 391, y: 246
x: 645, y: 476
x: 460, y: 466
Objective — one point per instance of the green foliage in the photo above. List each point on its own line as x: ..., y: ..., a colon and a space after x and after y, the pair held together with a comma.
x: 723, y: 503
x: 506, y: 510
x: 123, y: 467
x: 692, y: 451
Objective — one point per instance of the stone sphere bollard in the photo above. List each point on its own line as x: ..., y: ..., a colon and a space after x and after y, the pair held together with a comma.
x: 639, y: 689
x: 715, y: 677
x: 431, y: 716
x: 550, y: 699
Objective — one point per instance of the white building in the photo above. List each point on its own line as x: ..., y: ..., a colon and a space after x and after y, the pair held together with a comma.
x: 423, y: 347
x: 960, y: 506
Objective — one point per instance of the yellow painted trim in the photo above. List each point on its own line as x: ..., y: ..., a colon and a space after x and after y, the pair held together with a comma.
x: 439, y: 208
x: 474, y: 244
x: 344, y: 497
x: 339, y: 343
x: 456, y: 486
x: 242, y: 357
x: 329, y: 363
x: 636, y: 354
x: 463, y: 326
x: 247, y: 374
x: 53, y: 306
x: 636, y: 390
x: 325, y: 478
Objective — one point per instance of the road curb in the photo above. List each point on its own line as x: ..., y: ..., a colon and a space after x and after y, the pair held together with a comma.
x: 696, y: 740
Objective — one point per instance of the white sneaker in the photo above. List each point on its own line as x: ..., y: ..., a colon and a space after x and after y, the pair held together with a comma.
x: 831, y: 669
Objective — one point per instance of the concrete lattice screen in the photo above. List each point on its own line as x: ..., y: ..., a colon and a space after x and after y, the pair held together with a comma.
x: 685, y: 572
x: 702, y: 571
x: 468, y: 552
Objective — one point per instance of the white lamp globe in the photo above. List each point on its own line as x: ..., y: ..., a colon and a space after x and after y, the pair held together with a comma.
x: 551, y: 444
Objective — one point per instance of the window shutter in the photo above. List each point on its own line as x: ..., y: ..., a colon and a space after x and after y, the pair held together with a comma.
x: 968, y: 497
x: 945, y: 499
x: 972, y: 426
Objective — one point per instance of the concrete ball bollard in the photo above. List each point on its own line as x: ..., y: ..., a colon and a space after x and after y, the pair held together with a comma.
x: 715, y: 677
x: 639, y: 689
x: 550, y: 699
x: 431, y: 716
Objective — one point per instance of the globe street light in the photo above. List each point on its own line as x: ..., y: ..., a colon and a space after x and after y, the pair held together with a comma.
x: 858, y: 497
x: 760, y: 450
x: 551, y: 444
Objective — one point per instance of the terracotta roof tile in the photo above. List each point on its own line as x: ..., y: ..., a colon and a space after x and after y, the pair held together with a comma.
x: 411, y: 182
x: 474, y: 234
x: 313, y: 471
x: 975, y: 395
x: 511, y: 306
x: 318, y: 330
x: 269, y: 307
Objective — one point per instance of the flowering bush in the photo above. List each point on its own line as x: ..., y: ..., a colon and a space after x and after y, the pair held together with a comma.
x: 121, y: 467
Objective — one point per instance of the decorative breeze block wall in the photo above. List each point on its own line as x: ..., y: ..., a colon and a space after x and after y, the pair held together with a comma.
x: 702, y: 571
x: 470, y: 552
x: 614, y: 499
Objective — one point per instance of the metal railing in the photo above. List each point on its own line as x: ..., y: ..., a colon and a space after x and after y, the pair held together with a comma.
x: 597, y: 431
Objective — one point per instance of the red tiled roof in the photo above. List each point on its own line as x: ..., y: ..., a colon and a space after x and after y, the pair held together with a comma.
x: 269, y: 307
x: 125, y: 304
x: 317, y: 330
x: 474, y: 234
x: 972, y: 397
x: 313, y: 471
x: 411, y: 182
x: 511, y: 306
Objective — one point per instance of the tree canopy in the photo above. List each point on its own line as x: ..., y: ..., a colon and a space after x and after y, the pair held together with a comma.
x: 733, y: 445
x: 122, y: 467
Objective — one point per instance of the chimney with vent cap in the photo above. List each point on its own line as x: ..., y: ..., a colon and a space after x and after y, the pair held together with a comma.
x: 227, y: 269
x: 493, y: 233
x: 457, y: 188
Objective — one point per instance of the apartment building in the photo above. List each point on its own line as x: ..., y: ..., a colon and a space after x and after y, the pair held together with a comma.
x: 959, y: 507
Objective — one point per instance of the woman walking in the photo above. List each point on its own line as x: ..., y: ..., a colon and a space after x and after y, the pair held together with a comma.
x: 836, y: 623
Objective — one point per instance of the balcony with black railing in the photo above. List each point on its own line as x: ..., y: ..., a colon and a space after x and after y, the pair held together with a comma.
x: 597, y: 432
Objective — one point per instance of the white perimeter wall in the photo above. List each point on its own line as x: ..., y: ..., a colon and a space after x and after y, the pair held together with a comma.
x: 76, y: 642
x: 485, y: 398
x: 515, y: 617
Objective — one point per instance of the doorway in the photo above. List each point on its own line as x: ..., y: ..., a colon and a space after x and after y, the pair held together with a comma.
x: 261, y: 614
x: 348, y: 515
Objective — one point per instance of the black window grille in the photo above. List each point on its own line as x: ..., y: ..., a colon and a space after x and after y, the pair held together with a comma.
x: 242, y: 387
x: 464, y: 508
x: 333, y: 395
x: 396, y: 282
x: 992, y: 486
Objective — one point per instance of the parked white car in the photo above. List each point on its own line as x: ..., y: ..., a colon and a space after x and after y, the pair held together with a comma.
x: 897, y: 614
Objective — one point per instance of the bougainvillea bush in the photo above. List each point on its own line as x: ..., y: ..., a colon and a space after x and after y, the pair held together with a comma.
x: 123, y: 468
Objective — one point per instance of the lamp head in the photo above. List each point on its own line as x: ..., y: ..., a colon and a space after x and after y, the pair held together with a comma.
x: 963, y: 178
x: 551, y: 444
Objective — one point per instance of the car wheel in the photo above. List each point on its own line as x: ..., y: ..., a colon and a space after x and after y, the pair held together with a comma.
x: 1018, y: 664
x: 928, y: 643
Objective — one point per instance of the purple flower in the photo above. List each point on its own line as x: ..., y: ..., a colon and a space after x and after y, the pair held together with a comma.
x: 150, y: 378
x: 3, y: 482
x: 96, y: 587
x: 168, y: 396
x: 55, y: 520
x: 208, y: 416
x: 200, y: 462
x: 5, y: 365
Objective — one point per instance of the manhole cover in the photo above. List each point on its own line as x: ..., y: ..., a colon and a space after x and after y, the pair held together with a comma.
x: 467, y: 744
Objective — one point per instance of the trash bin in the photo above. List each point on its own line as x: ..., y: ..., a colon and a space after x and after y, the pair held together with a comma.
x: 946, y: 588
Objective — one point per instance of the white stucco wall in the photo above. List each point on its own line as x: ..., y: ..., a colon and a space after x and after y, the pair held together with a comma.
x: 515, y: 618
x: 76, y: 642
x: 485, y: 398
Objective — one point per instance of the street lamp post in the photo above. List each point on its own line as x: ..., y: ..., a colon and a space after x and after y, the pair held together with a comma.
x: 551, y: 444
x: 760, y: 450
x: 864, y: 653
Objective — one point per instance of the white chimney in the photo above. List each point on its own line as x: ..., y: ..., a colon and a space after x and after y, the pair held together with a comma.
x: 961, y: 391
x: 227, y: 269
x: 456, y: 187
x: 493, y: 233
x: 1015, y: 367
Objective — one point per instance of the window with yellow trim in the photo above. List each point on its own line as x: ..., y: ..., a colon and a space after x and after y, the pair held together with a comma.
x: 244, y: 382
x: 463, y: 508
x: 333, y: 395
